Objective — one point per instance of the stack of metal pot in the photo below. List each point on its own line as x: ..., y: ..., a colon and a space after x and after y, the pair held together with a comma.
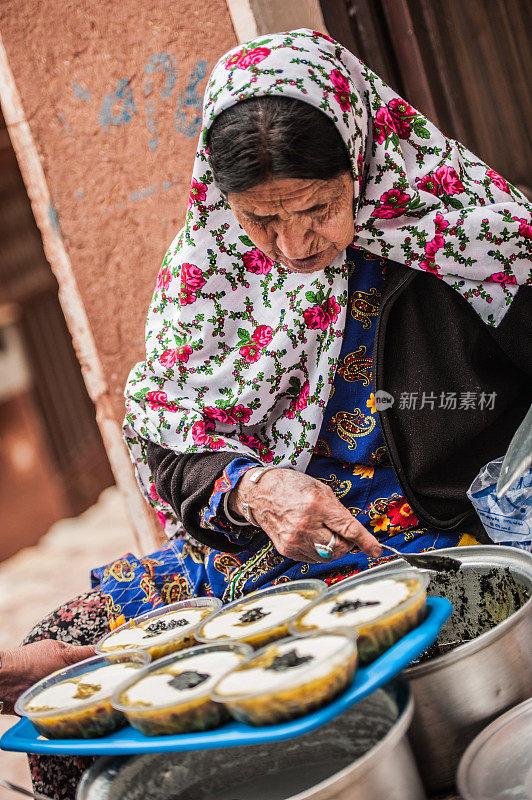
x: 482, y: 664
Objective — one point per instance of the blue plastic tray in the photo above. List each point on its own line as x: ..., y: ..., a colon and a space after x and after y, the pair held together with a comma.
x: 23, y: 737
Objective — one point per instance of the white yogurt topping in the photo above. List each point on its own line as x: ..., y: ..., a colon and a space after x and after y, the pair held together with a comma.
x: 327, y: 651
x: 277, y: 607
x: 57, y: 696
x: 62, y: 694
x: 389, y: 593
x: 137, y: 636
x: 156, y: 688
x: 128, y: 637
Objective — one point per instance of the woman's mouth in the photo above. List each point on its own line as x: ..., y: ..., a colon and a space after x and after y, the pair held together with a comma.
x: 304, y: 263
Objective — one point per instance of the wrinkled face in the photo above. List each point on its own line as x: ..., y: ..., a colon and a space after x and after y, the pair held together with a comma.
x: 304, y: 224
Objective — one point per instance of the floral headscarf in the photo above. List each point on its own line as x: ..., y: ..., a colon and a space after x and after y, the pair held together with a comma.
x: 240, y: 352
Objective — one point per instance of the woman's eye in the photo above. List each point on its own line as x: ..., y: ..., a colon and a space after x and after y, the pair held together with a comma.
x: 262, y: 222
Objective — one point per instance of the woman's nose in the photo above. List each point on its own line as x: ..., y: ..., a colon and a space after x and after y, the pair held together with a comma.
x: 293, y: 239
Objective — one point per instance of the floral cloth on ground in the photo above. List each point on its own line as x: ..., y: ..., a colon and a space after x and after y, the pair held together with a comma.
x: 350, y: 456
x: 229, y: 331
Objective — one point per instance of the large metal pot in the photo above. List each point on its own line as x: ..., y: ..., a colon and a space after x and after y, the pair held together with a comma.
x: 459, y: 692
x: 362, y: 754
x: 498, y: 762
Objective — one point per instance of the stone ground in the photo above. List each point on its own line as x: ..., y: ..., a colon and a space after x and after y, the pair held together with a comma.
x: 38, y: 579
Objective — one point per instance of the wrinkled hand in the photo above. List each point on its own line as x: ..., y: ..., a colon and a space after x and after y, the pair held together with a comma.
x: 26, y: 665
x: 296, y: 510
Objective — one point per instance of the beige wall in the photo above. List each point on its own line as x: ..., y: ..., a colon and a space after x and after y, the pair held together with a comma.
x: 102, y: 101
x: 101, y: 84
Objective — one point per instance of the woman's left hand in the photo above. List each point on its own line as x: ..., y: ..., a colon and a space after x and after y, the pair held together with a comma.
x: 24, y: 666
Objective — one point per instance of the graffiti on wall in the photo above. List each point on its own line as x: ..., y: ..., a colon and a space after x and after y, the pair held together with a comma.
x: 157, y: 98
x: 127, y: 102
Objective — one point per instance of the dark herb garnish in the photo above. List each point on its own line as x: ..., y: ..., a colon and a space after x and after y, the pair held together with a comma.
x: 287, y: 661
x: 188, y: 679
x: 253, y: 615
x: 154, y: 628
x: 352, y: 605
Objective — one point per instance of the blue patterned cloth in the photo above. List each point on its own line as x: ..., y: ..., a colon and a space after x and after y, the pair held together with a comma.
x: 350, y: 457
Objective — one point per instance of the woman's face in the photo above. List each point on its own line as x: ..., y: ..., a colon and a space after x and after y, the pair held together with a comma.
x: 304, y: 224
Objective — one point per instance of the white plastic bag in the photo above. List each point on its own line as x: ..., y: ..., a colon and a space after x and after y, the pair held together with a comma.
x: 507, y: 520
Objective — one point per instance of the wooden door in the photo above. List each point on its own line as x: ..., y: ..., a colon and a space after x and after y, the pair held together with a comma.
x: 466, y: 64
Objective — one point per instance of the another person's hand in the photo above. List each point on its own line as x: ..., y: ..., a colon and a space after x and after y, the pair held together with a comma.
x: 296, y: 511
x: 26, y: 665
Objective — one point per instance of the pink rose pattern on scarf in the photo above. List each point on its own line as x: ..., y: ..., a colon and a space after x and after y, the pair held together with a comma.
x: 198, y: 193
x: 395, y: 117
x: 300, y: 397
x: 247, y: 58
x: 321, y: 316
x: 525, y: 228
x: 392, y: 203
x: 435, y: 244
x: 342, y: 94
x: 257, y: 262
x: 444, y: 181
x: 228, y: 330
x: 191, y: 282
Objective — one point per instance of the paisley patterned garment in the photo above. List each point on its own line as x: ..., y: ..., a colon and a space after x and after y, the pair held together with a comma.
x: 350, y: 457
x: 231, y: 335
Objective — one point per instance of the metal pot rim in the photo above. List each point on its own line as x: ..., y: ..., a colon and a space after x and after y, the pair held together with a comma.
x: 474, y: 554
x: 386, y: 744
x: 480, y: 741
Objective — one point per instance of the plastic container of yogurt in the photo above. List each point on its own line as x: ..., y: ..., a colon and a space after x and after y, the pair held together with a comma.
x: 380, y: 609
x: 162, y: 631
x: 75, y: 702
x: 289, y: 678
x: 260, y: 617
x: 173, y: 695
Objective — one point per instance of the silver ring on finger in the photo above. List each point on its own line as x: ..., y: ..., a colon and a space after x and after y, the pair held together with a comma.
x: 325, y: 550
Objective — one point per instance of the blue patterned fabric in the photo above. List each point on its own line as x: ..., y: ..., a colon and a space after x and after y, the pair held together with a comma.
x: 350, y: 457
x: 213, y: 516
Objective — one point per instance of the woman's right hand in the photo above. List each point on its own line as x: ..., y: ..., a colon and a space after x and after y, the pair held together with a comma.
x: 296, y: 511
x: 24, y: 666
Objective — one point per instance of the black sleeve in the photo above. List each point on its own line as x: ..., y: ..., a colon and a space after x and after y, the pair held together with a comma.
x: 186, y: 481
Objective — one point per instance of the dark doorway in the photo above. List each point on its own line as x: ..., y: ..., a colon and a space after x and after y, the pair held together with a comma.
x: 52, y: 460
x: 465, y: 64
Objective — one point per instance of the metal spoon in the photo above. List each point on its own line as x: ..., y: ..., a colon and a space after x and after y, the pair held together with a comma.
x: 431, y: 561
x: 14, y: 788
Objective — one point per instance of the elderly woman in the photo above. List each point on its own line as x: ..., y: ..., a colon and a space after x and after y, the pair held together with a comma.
x: 338, y: 341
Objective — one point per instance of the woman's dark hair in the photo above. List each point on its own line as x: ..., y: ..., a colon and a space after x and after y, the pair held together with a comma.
x: 267, y: 137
